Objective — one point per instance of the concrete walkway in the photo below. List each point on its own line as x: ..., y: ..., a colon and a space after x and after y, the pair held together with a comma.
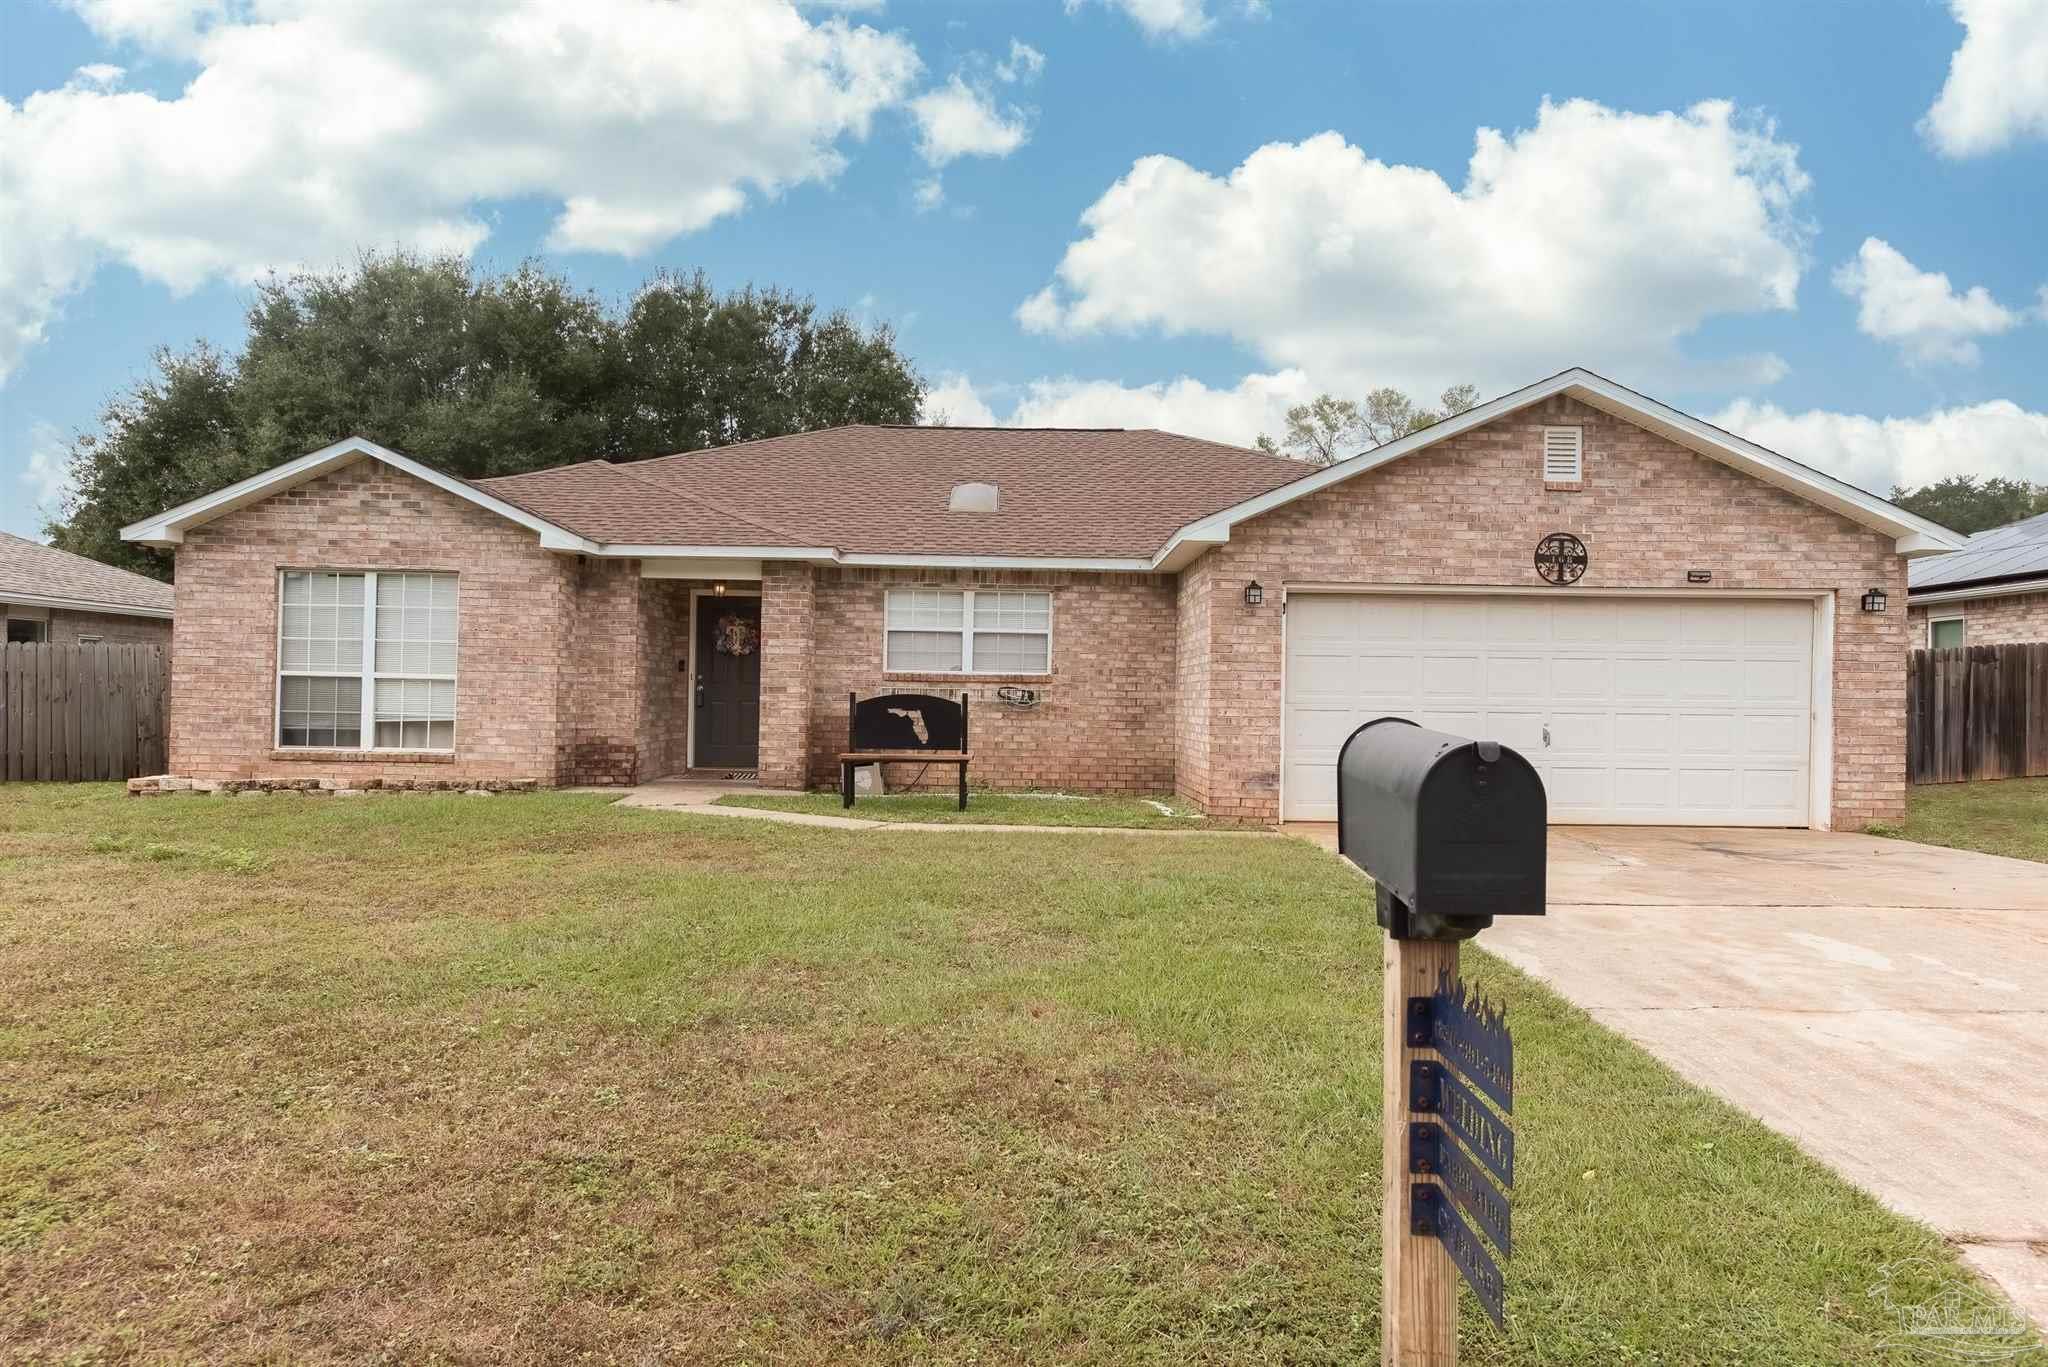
x: 700, y: 797
x: 1884, y: 1004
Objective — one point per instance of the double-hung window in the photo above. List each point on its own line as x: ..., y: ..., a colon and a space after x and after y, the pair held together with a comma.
x: 366, y: 660
x: 1945, y: 633
x: 968, y: 631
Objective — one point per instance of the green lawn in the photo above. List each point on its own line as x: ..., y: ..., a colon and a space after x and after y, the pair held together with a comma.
x: 2009, y: 817
x: 537, y: 1080
x: 987, y: 809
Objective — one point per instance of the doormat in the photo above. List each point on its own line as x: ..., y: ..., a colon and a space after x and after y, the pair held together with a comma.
x: 742, y: 775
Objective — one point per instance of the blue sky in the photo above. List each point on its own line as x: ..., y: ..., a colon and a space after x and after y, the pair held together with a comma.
x: 1745, y: 209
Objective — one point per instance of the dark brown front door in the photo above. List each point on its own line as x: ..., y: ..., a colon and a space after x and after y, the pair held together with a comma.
x: 728, y: 683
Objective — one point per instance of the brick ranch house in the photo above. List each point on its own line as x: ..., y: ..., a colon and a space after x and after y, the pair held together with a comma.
x: 1185, y: 616
x: 55, y: 597
x: 1992, y: 592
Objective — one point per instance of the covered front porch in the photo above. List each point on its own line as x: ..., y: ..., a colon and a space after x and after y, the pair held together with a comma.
x: 724, y: 656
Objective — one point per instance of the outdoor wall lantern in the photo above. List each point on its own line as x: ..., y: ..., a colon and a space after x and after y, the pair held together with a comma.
x: 718, y: 589
x: 1253, y: 594
x: 1873, y: 601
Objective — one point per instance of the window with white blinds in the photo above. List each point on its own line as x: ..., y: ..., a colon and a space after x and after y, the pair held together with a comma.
x: 366, y: 660
x: 968, y: 631
x: 1563, y: 455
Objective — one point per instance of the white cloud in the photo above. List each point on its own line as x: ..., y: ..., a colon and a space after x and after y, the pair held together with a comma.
x: 959, y: 120
x: 48, y: 473
x: 1918, y: 311
x: 1024, y: 63
x: 1598, y: 237
x: 1170, y: 19
x: 313, y: 129
x: 928, y: 194
x: 1997, y: 87
x: 172, y: 27
x: 1237, y: 415
x: 1996, y: 438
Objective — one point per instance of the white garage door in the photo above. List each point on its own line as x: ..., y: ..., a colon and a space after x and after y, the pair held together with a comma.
x: 1656, y: 711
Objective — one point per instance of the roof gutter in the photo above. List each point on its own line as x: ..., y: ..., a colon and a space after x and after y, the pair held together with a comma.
x: 44, y: 600
x: 1927, y: 597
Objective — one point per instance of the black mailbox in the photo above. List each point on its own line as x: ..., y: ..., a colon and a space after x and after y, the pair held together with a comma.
x: 1452, y: 830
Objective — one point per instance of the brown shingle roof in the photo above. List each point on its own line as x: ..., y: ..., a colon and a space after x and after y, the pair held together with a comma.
x: 1102, y: 493
x: 31, y: 569
x: 607, y: 503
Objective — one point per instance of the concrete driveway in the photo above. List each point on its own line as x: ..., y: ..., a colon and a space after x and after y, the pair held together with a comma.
x: 1883, y: 1004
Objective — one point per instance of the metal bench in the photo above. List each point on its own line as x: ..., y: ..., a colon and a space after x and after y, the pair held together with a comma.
x: 904, y: 728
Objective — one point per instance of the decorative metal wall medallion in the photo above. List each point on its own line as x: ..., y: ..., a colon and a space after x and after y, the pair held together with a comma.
x: 1561, y: 558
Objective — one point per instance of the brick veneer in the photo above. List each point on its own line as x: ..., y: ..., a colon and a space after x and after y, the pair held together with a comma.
x: 67, y: 626
x: 789, y: 614
x: 1105, y: 717
x: 2023, y: 617
x: 1470, y: 511
x: 1194, y: 607
x: 514, y: 600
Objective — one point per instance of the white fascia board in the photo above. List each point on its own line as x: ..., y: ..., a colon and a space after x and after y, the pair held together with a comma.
x: 1915, y: 535
x: 1929, y: 597
x: 42, y: 600
x: 1105, y: 565
x: 620, y: 551
x: 683, y: 567
x: 168, y: 528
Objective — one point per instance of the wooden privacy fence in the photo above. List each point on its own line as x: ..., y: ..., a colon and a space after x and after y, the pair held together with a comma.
x: 1977, y: 712
x: 76, y: 713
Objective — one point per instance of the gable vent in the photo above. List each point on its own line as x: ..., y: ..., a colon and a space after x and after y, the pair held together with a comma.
x: 974, y: 498
x: 1564, y: 459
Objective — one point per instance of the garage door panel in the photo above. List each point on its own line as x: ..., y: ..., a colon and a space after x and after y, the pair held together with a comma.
x: 1572, y: 789
x: 1774, y: 737
x: 1776, y: 681
x: 1773, y: 790
x: 1638, y: 790
x: 1516, y: 679
x: 1656, y: 710
x: 1574, y: 735
x: 1643, y: 733
x: 1454, y: 676
x: 1453, y: 619
x: 1711, y: 625
x: 1708, y: 679
x: 1588, y: 677
x: 1583, y: 621
x: 1639, y: 678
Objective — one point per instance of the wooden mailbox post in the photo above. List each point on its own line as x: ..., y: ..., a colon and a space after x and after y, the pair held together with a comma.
x: 1453, y: 833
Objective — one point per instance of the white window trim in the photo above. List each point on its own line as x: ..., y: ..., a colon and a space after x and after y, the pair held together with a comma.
x: 967, y: 633
x: 367, y: 722
x: 1578, y: 474
x: 1947, y: 617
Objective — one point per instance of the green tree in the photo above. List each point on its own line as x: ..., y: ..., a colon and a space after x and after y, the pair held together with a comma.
x: 1327, y: 429
x: 1964, y: 503
x: 475, y: 374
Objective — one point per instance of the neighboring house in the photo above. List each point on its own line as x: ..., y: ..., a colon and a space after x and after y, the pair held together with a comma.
x: 55, y: 596
x: 1992, y: 592
x: 1181, y: 616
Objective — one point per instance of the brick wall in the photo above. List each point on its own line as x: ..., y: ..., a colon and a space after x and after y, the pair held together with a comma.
x: 789, y: 615
x: 67, y: 626
x: 1105, y: 717
x: 665, y: 676
x: 1470, y: 511
x: 2022, y: 617
x: 602, y: 681
x: 1194, y: 606
x: 514, y: 600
